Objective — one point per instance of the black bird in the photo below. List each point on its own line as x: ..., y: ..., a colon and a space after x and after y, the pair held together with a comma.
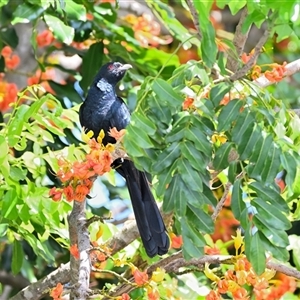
x: 103, y: 109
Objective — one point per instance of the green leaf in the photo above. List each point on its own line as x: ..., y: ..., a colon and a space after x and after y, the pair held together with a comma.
x: 270, y: 215
x: 16, y: 125
x: 209, y: 48
x: 232, y: 171
x: 4, y: 150
x: 289, y: 163
x: 25, y: 13
x: 283, y: 31
x: 278, y: 238
x: 9, y: 36
x: 200, y: 140
x: 140, y: 135
x: 17, y: 257
x: 165, y: 92
x: 218, y: 92
x: 244, y: 121
x: 200, y: 219
x: 166, y: 158
x: 259, y: 157
x: 91, y: 63
x: 142, y: 122
x: 62, y: 32
x: 246, y: 145
x: 193, y: 242
x: 220, y: 161
x: 65, y: 90
x: 131, y: 147
x: 34, y: 107
x: 269, y: 195
x: 271, y: 166
x: 171, y: 194
x: 257, y: 17
x: 75, y: 11
x: 3, y: 229
x: 237, y: 203
x: 17, y: 173
x: 169, y: 20
x: 280, y: 253
x: 236, y: 6
x: 229, y: 114
x: 195, y: 157
x: 189, y: 175
x: 257, y: 254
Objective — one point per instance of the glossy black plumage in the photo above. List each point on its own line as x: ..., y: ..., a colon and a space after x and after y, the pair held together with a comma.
x: 103, y: 109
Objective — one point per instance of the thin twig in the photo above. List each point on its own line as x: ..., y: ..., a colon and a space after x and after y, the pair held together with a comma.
x: 120, y: 277
x: 257, y: 50
x: 195, y: 17
x: 239, y: 41
x: 289, y: 271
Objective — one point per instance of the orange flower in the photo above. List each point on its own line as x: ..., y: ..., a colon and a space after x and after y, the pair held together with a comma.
x: 74, y: 251
x: 251, y: 278
x: 45, y: 38
x: 83, y: 170
x: 8, y: 94
x: 176, y: 241
x: 55, y: 194
x: 117, y: 134
x: 242, y: 265
x: 6, y: 51
x: 80, y: 193
x: 223, y: 286
x: 69, y: 193
x: 188, y: 103
x: 40, y: 76
x: 225, y: 99
x: 56, y: 292
x: 241, y: 277
x: 212, y: 250
x: 246, y: 57
x: 222, y: 47
x: 153, y: 294
x: 256, y: 72
x: 140, y: 278
x: 12, y: 62
x: 277, y: 73
x: 213, y: 295
x: 240, y: 294
x: 125, y: 296
x: 230, y: 275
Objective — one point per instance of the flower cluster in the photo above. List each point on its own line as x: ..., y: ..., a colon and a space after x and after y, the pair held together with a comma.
x: 237, y: 280
x: 146, y: 30
x: 77, y: 177
x: 276, y: 73
x: 11, y: 60
x: 8, y: 93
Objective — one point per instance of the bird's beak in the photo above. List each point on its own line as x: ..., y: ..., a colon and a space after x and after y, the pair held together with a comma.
x: 125, y: 67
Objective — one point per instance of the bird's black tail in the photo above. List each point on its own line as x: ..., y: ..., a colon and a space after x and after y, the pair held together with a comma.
x: 148, y: 218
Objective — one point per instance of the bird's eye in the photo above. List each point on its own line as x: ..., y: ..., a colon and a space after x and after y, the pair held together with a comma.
x: 111, y: 67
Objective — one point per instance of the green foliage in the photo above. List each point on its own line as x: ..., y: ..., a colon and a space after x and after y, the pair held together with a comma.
x: 182, y: 148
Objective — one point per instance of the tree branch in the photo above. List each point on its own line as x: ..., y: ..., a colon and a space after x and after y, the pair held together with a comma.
x: 195, y: 17
x: 80, y: 268
x: 174, y: 262
x: 239, y: 41
x: 257, y: 50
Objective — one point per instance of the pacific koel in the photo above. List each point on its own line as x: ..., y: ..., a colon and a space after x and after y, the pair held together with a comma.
x: 103, y: 109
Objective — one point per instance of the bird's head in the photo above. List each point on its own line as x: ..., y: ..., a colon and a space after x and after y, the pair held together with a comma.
x: 113, y: 72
